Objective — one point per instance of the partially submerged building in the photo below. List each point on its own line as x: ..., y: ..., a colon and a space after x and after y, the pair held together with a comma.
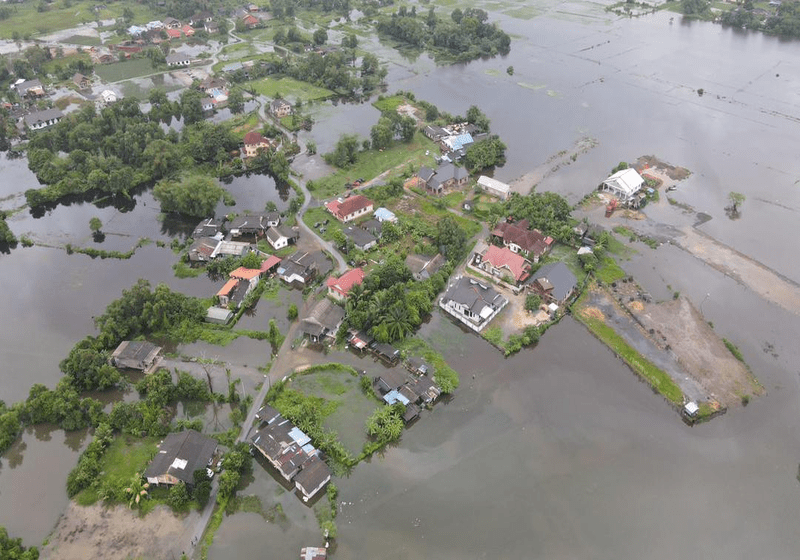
x: 323, y: 321
x: 624, y: 184
x: 472, y: 302
x: 179, y: 456
x: 130, y: 354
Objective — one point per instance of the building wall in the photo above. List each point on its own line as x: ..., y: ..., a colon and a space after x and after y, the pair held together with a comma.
x: 280, y: 243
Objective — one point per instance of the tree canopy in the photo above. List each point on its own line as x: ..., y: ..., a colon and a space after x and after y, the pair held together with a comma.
x: 193, y: 196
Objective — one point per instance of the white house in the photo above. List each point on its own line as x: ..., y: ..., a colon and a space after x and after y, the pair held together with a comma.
x: 178, y: 59
x: 494, y: 187
x: 623, y: 184
x: 108, y: 96
x: 43, y: 119
x: 472, y: 302
x: 280, y: 237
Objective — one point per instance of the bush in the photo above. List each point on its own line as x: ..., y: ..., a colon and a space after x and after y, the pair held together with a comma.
x: 178, y: 497
x: 291, y: 314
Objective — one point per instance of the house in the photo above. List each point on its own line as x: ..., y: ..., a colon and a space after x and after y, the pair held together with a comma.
x: 201, y: 17
x: 339, y: 288
x: 108, y: 96
x: 42, y: 119
x: 314, y: 475
x: 300, y: 268
x: 456, y: 142
x: 373, y: 226
x: 29, y: 88
x: 248, y: 224
x: 503, y: 263
x: 225, y: 293
x: 178, y: 59
x: 254, y: 143
x: 472, y: 302
x: 280, y: 237
x: 359, y: 340
x: 350, y: 208
x: 531, y: 243
x: 207, y: 104
x: 219, y: 315
x: 179, y: 456
x: 250, y: 21
x: 250, y: 275
x: 435, y: 133
x: 136, y: 31
x: 269, y: 265
x: 418, y: 366
x: 203, y: 249
x: 211, y: 83
x: 81, y: 81
x: 423, y: 267
x: 323, y: 320
x: 143, y: 356
x: 385, y: 215
x: 623, y: 184
x: 187, y: 30
x: 253, y: 8
x: 173, y: 34
x: 494, y: 187
x: 207, y: 228
x: 362, y: 239
x: 273, y: 219
x: 155, y: 24
x: 450, y: 175
x: 313, y: 553
x: 211, y: 27
x: 387, y: 352
x: 280, y: 108
x: 171, y: 23
x: 554, y: 282
x: 235, y: 248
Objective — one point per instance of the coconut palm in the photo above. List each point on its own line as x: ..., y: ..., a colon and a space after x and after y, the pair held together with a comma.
x: 137, y: 491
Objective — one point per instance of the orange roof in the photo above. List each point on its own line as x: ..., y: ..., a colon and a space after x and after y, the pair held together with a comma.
x: 228, y: 287
x: 246, y: 273
x: 346, y: 281
x: 271, y: 262
x: 505, y: 257
x: 188, y: 30
x: 254, y: 138
x: 174, y: 33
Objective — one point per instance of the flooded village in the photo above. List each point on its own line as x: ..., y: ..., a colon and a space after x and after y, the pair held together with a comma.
x: 573, y: 254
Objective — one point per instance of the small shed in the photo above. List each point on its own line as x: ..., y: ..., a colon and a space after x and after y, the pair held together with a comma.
x: 691, y: 408
x: 219, y: 316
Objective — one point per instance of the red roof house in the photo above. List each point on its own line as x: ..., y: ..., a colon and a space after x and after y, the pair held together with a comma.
x: 339, y: 288
x: 250, y: 21
x: 224, y: 294
x: 253, y: 142
x: 501, y: 261
x: 173, y: 34
x: 188, y: 30
x: 270, y: 264
x: 350, y: 208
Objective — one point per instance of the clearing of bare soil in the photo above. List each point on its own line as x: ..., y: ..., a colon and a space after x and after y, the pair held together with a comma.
x: 652, y: 163
x: 697, y: 348
x: 116, y: 533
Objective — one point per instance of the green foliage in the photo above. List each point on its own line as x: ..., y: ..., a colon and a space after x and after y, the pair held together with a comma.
x: 201, y: 493
x: 291, y: 314
x: 95, y: 224
x: 192, y: 196
x: 252, y: 261
x: 178, y: 497
x: 12, y: 549
x: 87, y: 366
x: 345, y: 153
x: 733, y: 349
x: 10, y: 426
x: 386, y: 423
x: 7, y: 236
x: 533, y: 301
x: 695, y: 7
x: 620, y: 166
x: 548, y: 212
x: 485, y: 153
x: 88, y: 468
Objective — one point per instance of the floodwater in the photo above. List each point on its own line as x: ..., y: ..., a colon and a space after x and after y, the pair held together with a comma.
x: 556, y: 452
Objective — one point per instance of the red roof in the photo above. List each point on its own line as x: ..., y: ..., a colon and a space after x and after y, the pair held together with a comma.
x: 250, y: 20
x: 246, y: 273
x: 271, y: 262
x: 254, y: 139
x: 500, y: 257
x: 349, y: 206
x: 346, y: 281
x: 174, y: 33
x: 188, y: 30
x: 228, y: 287
x: 530, y: 240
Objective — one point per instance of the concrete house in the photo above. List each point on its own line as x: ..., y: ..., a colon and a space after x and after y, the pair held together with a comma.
x: 623, y: 184
x: 249, y: 275
x: 339, y: 288
x: 143, y: 356
x: 179, y: 456
x: 423, y: 267
x: 254, y: 143
x: 531, y: 243
x: 42, y: 119
x: 472, y: 302
x: 280, y: 108
x: 171, y: 23
x: 299, y: 268
x: 211, y: 27
x: 503, y: 263
x: 494, y: 187
x: 30, y: 89
x: 225, y: 293
x: 248, y: 224
x: 350, y: 208
x: 385, y: 215
x: 203, y: 249
x: 207, y: 104
x: 179, y: 59
x: 324, y: 320
x: 280, y: 237
x: 207, y: 228
x: 361, y: 238
x: 554, y: 282
x: 314, y: 475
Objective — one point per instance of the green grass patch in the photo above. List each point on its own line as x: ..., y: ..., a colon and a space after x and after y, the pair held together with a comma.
x: 733, y: 349
x: 27, y: 20
x: 494, y: 336
x: 126, y: 456
x: 568, y: 256
x: 657, y: 378
x: 290, y: 89
x: 443, y: 374
x: 183, y: 270
x: 372, y: 163
x: 389, y: 104
x: 609, y: 271
x: 319, y: 215
x: 126, y: 70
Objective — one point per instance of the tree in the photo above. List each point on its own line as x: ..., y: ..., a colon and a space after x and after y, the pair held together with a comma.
x: 486, y: 153
x: 191, y: 105
x: 532, y: 302
x: 236, y: 101
x: 270, y: 206
x: 95, y: 225
x: 695, y: 7
x: 251, y: 260
x: 311, y: 147
x: 12, y: 549
x: 291, y: 314
x: 476, y: 117
x: 178, y: 496
x: 193, y: 196
x: 510, y: 70
x: 339, y: 238
x: 320, y: 36
x: 136, y: 491
x: 202, y: 491
x: 736, y: 199
x: 381, y: 134
x: 345, y: 153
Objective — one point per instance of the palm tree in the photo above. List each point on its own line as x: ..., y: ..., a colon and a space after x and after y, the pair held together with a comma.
x: 398, y: 322
x: 137, y: 491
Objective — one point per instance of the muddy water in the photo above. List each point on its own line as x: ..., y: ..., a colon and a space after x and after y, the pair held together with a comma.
x: 557, y: 452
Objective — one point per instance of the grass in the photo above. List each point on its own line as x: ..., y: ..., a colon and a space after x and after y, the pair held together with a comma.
x: 27, y: 20
x: 655, y: 377
x: 372, y: 163
x: 126, y: 456
x: 494, y: 335
x: 289, y: 88
x: 389, y: 104
x: 609, y: 271
x: 733, y: 349
x: 319, y: 215
x: 183, y: 270
x: 125, y: 70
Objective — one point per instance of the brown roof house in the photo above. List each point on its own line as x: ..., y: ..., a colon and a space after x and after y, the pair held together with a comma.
x: 350, y: 208
x: 143, y: 356
x: 531, y: 243
x: 323, y: 321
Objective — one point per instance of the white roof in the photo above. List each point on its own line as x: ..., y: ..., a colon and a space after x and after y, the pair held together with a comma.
x: 585, y: 250
x: 625, y: 181
x: 494, y: 184
x: 179, y: 464
x: 692, y: 408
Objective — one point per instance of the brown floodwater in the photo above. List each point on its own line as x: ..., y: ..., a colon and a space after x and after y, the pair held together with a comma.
x: 557, y: 452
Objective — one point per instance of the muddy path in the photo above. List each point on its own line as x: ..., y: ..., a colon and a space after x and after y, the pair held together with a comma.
x: 525, y: 184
